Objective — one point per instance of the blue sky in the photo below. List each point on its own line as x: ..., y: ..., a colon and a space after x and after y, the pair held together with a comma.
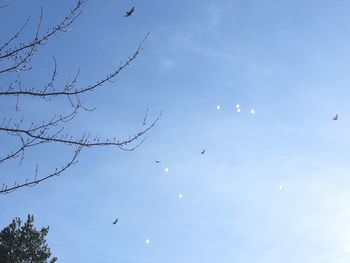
x: 288, y: 60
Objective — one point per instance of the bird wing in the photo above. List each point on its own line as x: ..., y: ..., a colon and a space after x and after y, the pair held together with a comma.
x: 128, y: 13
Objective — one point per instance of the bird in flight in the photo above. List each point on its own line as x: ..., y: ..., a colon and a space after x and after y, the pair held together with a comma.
x: 129, y: 13
x: 157, y: 161
x: 335, y: 117
x: 115, y: 221
x: 202, y: 152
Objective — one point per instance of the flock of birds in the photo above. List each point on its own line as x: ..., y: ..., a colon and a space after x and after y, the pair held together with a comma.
x: 180, y: 195
x: 238, y: 109
x: 218, y: 107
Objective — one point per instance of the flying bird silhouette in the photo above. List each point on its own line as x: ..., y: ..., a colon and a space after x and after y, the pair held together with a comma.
x: 335, y: 117
x: 115, y: 221
x: 157, y: 161
x: 129, y: 13
x: 202, y: 152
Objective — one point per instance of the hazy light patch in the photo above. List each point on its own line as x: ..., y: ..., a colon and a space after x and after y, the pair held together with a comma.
x: 165, y: 64
x: 252, y: 111
x: 237, y: 106
x: 238, y: 110
x: 282, y: 187
x: 213, y: 17
x: 166, y: 170
x: 180, y: 195
x: 147, y: 241
x: 218, y: 107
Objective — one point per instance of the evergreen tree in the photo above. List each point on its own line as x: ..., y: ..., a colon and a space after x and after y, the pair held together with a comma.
x: 24, y: 244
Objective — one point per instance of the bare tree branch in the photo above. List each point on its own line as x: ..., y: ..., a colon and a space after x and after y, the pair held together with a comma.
x: 16, y: 58
x: 69, y: 89
x: 15, y: 36
x: 39, y: 40
x: 58, y: 171
x: 4, y: 5
x: 83, y: 141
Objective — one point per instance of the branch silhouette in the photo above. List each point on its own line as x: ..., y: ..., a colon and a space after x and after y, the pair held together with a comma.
x: 15, y: 58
